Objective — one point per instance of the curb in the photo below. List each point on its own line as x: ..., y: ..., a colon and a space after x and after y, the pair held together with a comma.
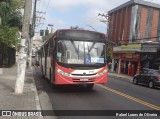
x: 120, y: 76
x: 38, y: 106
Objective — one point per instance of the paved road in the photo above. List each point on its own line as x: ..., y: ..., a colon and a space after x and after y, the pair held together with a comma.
x: 117, y: 94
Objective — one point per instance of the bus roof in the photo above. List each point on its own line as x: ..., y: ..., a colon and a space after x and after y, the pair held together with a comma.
x: 78, y: 30
x: 59, y: 30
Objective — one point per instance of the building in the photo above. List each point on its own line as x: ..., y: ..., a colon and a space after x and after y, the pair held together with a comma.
x: 135, y: 28
x: 37, y: 42
x: 50, y: 28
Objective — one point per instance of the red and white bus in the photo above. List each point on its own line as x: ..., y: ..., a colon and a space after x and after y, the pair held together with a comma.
x: 72, y: 56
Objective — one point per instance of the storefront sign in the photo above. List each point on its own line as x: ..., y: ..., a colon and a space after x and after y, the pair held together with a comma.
x: 152, y: 47
x: 129, y: 47
x: 128, y: 55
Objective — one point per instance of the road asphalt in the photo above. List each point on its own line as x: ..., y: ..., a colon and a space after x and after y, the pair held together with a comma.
x: 29, y: 100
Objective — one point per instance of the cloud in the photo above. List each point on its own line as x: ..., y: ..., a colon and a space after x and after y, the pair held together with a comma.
x: 91, y: 17
x: 65, y: 13
x: 69, y: 4
x: 55, y: 21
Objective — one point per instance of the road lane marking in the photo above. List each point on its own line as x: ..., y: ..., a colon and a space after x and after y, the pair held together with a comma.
x: 130, y: 97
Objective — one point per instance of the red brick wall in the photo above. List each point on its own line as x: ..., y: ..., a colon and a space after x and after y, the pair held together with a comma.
x: 143, y: 21
x: 121, y: 25
x: 120, y: 21
x: 127, y: 24
x: 113, y: 24
x: 123, y: 22
x: 155, y: 24
x: 118, y: 25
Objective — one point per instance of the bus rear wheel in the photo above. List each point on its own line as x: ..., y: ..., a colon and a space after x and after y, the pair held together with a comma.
x: 89, y: 86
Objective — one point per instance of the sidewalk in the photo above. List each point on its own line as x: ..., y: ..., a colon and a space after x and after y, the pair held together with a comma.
x: 11, y: 101
x: 120, y: 75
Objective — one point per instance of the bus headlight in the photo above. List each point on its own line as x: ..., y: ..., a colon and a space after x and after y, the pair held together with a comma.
x: 62, y: 72
x: 102, y: 73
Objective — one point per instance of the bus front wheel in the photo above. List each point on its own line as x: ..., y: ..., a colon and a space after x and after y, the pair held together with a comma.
x: 89, y: 86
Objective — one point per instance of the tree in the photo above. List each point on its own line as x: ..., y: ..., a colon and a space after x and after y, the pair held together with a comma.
x: 10, y: 21
x: 8, y: 36
x: 47, y: 37
x: 109, y: 53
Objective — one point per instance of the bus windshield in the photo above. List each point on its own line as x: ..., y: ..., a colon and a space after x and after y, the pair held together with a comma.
x: 80, y: 52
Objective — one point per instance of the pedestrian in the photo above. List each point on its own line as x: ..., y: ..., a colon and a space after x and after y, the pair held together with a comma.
x: 109, y: 66
x: 115, y: 67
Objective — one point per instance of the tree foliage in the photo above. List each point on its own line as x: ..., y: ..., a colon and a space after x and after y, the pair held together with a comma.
x: 109, y: 53
x: 10, y: 21
x: 47, y: 37
x: 8, y: 35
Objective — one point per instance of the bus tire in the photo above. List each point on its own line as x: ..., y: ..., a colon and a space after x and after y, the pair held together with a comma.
x: 89, y: 86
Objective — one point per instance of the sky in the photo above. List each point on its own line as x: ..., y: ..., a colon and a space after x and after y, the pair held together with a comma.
x: 82, y: 13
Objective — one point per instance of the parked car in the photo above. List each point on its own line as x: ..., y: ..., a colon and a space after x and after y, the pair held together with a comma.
x: 149, y: 77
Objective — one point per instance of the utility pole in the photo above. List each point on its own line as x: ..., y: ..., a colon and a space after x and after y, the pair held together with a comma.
x: 107, y: 22
x: 32, y: 33
x: 103, y: 15
x: 21, y: 64
x: 104, y: 21
x: 40, y: 18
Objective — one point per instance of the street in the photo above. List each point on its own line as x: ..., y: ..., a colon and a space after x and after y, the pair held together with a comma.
x: 117, y: 94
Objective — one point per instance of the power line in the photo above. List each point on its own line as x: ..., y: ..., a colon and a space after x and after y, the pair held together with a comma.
x: 42, y: 17
x: 90, y: 20
x: 40, y: 12
x: 39, y: 5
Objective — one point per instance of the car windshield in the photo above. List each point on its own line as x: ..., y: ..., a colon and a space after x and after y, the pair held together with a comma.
x: 80, y: 52
x: 156, y: 72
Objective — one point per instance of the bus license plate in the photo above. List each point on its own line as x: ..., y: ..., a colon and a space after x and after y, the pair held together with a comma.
x: 83, y: 79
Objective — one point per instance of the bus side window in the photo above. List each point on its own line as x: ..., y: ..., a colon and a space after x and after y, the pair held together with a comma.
x: 52, y: 46
x: 43, y: 51
x: 68, y: 54
x: 46, y: 49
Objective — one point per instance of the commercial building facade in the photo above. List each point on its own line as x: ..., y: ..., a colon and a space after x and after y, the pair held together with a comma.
x: 135, y: 26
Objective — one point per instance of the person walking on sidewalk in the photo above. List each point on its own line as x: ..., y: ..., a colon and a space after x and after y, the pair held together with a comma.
x: 115, y: 67
x: 109, y: 66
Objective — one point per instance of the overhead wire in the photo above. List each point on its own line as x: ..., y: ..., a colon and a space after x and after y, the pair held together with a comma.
x: 43, y: 12
x: 44, y: 15
x: 42, y: 24
x: 37, y: 11
x: 91, y: 20
x: 39, y: 3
